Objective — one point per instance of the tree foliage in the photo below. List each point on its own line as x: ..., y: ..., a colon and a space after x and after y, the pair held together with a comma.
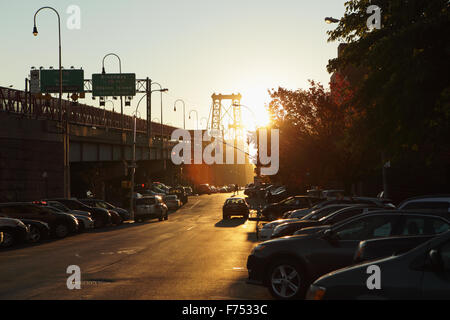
x: 405, y: 91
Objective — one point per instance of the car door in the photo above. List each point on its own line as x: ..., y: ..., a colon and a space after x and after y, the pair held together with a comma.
x: 436, y: 282
x: 351, y: 233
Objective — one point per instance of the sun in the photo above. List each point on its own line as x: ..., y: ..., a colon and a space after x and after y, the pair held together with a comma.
x: 254, y: 110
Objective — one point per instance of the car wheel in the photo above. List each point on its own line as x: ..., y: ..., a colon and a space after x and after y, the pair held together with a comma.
x: 35, y: 234
x: 166, y: 217
x: 287, y: 280
x: 8, y: 239
x: 246, y: 217
x: 61, y: 230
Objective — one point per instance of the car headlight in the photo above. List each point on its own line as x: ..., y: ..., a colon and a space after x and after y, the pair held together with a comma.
x: 315, y: 292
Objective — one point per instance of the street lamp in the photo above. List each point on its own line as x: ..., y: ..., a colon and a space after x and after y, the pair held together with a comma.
x: 160, y: 90
x: 184, y: 111
x: 133, y: 164
x: 330, y: 20
x: 196, y: 113
x: 120, y: 71
x: 66, y: 130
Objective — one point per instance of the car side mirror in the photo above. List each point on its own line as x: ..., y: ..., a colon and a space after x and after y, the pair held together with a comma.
x: 436, y: 259
x: 329, y: 235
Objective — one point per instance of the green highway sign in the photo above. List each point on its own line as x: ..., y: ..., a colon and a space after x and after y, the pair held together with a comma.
x: 113, y: 84
x: 72, y: 81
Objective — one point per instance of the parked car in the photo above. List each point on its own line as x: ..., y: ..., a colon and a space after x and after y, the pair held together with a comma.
x: 13, y: 232
x: 440, y: 203
x: 101, y: 217
x: 188, y: 191
x: 97, y: 203
x: 38, y: 230
x: 235, y: 206
x: 286, y: 266
x: 348, y: 200
x: 288, y: 228
x: 61, y: 225
x: 172, y: 202
x: 62, y: 208
x: 267, y: 230
x: 276, y: 210
x: 150, y: 207
x: 84, y: 222
x: 421, y: 273
x: 180, y: 193
x: 204, y: 189
x: 381, y: 248
x: 315, y: 214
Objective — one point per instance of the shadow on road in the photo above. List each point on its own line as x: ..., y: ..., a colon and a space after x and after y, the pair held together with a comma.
x: 251, y: 236
x: 231, y: 223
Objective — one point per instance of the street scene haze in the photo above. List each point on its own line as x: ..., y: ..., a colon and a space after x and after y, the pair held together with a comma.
x: 225, y: 151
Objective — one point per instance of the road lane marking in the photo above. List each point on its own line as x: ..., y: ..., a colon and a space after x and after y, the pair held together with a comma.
x: 195, y: 204
x: 190, y: 228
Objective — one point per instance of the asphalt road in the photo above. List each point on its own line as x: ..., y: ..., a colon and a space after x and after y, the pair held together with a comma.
x: 193, y: 255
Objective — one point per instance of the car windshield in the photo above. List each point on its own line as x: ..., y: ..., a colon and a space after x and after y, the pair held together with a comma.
x: 235, y: 201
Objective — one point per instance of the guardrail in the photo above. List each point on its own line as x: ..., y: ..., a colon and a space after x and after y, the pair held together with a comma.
x: 38, y: 107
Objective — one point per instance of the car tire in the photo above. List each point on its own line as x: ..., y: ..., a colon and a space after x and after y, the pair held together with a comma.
x: 61, y: 230
x: 9, y: 239
x: 166, y: 217
x: 34, y: 236
x: 286, y: 280
x: 246, y: 217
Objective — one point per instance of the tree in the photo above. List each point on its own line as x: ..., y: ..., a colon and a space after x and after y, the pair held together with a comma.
x: 404, y: 95
x: 316, y: 135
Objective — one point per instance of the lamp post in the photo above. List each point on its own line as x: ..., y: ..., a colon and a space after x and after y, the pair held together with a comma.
x: 330, y: 20
x: 184, y: 111
x: 133, y: 164
x: 104, y: 111
x: 160, y: 90
x: 120, y: 71
x: 196, y: 114
x: 66, y: 127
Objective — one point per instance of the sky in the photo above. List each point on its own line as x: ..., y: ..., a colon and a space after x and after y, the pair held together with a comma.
x: 194, y: 48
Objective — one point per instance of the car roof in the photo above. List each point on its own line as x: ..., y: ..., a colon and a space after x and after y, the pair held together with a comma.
x: 444, y: 216
x: 433, y: 197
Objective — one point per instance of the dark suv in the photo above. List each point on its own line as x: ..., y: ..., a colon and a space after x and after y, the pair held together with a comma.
x: 61, y: 224
x: 101, y: 216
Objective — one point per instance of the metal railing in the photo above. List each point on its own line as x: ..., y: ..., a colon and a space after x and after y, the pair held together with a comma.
x: 38, y: 107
